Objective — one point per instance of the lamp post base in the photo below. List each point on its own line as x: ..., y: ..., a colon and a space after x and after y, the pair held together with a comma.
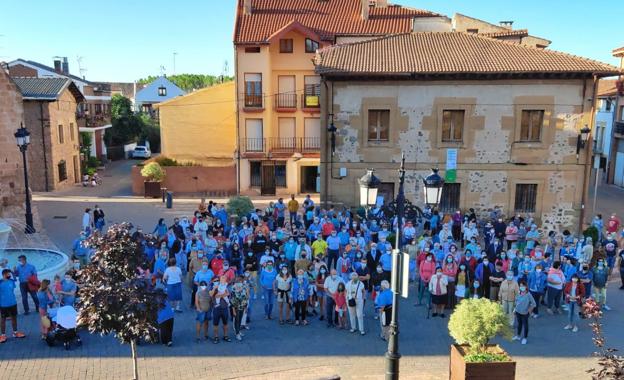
x: 30, y: 228
x: 392, y: 366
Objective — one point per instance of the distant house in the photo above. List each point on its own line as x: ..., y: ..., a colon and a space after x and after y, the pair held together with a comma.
x: 616, y: 160
x: 156, y: 92
x: 50, y: 115
x: 603, y: 121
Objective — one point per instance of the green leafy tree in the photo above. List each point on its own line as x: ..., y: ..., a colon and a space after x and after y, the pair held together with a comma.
x: 153, y: 172
x: 190, y: 82
x: 115, y: 298
x: 476, y: 321
x: 120, y: 106
x: 239, y: 205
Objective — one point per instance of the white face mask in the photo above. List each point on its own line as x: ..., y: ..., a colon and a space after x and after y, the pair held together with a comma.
x: 203, y: 287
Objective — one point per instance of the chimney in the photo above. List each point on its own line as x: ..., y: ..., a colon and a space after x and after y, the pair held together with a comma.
x: 57, y: 66
x: 65, y: 67
x: 381, y: 4
x: 247, y: 7
x: 506, y: 24
x: 365, y: 5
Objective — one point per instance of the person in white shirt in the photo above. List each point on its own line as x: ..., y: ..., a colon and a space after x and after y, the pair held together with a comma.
x: 173, y: 279
x: 86, y: 221
x: 356, y: 294
x: 331, y: 286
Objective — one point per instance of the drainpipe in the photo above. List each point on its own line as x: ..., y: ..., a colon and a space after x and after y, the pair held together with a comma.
x: 238, y: 157
x: 588, y: 154
x: 43, y: 144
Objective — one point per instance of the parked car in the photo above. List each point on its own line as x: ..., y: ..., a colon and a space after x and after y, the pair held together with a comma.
x: 141, y: 152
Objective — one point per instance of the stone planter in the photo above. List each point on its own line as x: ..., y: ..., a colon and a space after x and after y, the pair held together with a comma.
x: 460, y: 370
x: 152, y: 189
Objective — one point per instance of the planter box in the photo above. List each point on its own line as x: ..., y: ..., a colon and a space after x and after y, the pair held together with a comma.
x: 152, y: 189
x: 460, y: 370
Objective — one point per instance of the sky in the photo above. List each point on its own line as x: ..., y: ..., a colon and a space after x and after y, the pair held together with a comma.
x: 120, y: 40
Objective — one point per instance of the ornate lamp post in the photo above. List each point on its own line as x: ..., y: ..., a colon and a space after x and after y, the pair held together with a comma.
x: 369, y: 185
x: 22, y: 137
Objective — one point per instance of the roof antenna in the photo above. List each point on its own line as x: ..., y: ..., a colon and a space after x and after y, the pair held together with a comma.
x: 81, y: 69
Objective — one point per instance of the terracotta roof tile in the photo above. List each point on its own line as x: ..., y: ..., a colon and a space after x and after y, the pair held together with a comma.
x: 606, y: 87
x: 507, y: 33
x: 327, y: 18
x: 449, y: 53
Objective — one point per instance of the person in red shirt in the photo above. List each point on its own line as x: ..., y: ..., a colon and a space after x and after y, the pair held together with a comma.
x: 327, y: 229
x: 216, y: 264
x: 613, y: 225
x: 227, y: 271
x: 469, y: 261
x: 426, y: 269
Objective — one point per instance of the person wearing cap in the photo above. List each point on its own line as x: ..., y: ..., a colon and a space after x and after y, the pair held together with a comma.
x: 438, y: 289
x: 356, y: 294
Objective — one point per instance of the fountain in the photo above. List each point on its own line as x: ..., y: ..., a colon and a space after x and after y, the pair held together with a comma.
x: 48, y: 262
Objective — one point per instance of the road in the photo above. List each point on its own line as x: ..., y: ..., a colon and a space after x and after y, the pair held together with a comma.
x: 271, y: 351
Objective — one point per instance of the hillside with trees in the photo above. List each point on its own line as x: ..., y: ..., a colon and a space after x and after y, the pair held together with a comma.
x: 190, y: 82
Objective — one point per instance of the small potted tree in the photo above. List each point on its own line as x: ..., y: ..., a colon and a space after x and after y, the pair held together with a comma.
x: 154, y: 174
x: 473, y: 324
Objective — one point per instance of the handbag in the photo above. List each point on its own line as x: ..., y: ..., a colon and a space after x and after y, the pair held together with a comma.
x: 33, y: 283
x: 351, y: 301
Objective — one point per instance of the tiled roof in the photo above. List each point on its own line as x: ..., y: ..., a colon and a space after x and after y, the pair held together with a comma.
x: 619, y: 52
x: 51, y: 69
x: 327, y: 18
x: 46, y: 88
x: 449, y: 53
x: 507, y: 33
x: 606, y: 87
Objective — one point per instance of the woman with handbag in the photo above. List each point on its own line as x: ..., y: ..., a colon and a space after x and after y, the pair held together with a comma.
x: 356, y: 294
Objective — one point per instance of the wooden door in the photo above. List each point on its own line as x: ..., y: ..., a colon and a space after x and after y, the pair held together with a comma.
x: 267, y: 187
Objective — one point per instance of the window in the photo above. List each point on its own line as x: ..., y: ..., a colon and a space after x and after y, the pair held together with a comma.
x: 311, y: 46
x: 622, y: 113
x: 286, y: 45
x: 162, y: 91
x: 62, y: 170
x: 252, y: 49
x: 254, y: 133
x: 255, y: 174
x: 61, y: 137
x: 280, y: 174
x: 98, y: 107
x: 607, y: 105
x: 526, y: 197
x: 449, y: 201
x: 531, y: 125
x: 71, y: 132
x: 253, y: 90
x: 475, y: 31
x: 378, y: 125
x: 452, y: 125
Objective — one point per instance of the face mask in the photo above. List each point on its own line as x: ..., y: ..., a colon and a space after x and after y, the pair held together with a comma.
x: 468, y: 255
x: 600, y: 265
x: 509, y: 278
x: 203, y: 287
x: 523, y: 288
x: 299, y: 277
x: 68, y: 278
x: 226, y: 267
x: 574, y: 280
x: 222, y: 287
x: 539, y: 270
x: 323, y: 271
x: 250, y: 254
x: 379, y: 270
x: 428, y: 258
x: 476, y: 285
x: 462, y: 267
x: 333, y: 276
x: 284, y: 271
x: 439, y: 274
x: 449, y: 260
x: 485, y: 262
x: 205, y: 267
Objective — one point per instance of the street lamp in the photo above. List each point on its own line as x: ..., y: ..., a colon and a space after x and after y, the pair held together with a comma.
x: 369, y: 186
x: 433, y: 185
x: 22, y: 137
x: 582, y: 139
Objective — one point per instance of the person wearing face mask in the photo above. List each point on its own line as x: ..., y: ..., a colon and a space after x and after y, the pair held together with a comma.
x: 621, y: 259
x: 300, y: 295
x: 537, y: 287
x: 483, y: 272
x: 173, y: 279
x: 343, y: 266
x: 469, y: 261
x: 383, y: 306
x: 228, y: 271
x: 267, y: 282
x: 574, y: 294
x: 68, y: 290
x: 438, y: 290
x: 532, y: 238
x: 8, y: 306
x: 524, y: 306
x: 330, y: 286
x: 449, y: 269
x: 333, y: 248
x: 555, y: 281
x: 356, y: 294
x: 220, y: 311
x: 600, y: 277
x: 427, y: 270
x: 507, y: 295
x: 283, y: 284
x: 463, y: 279
x: 28, y: 282
x: 239, y: 301
x: 203, y: 302
x: 323, y: 273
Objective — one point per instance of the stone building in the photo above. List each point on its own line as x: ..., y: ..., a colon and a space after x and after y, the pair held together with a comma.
x: 11, y: 115
x: 505, y: 116
x: 50, y: 106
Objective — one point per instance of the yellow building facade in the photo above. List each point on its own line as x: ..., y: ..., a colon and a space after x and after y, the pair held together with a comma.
x: 200, y: 126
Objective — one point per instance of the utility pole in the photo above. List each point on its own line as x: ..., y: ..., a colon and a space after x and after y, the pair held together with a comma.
x: 174, y: 67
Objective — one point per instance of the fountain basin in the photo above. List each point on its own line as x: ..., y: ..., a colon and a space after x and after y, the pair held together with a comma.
x: 47, y: 262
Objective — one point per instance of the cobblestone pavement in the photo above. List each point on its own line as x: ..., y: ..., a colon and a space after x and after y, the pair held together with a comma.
x: 271, y: 351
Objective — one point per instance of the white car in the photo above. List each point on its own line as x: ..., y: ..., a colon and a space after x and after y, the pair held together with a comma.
x: 141, y: 152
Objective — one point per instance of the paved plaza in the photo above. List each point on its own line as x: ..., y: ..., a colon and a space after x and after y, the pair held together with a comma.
x: 271, y: 351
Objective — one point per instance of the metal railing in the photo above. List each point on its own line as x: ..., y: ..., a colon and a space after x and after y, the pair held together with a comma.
x: 254, y: 100
x: 619, y: 127
x: 281, y: 145
x: 286, y: 101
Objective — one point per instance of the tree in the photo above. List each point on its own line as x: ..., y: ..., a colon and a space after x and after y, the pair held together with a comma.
x: 611, y: 364
x: 120, y: 106
x: 190, y: 82
x: 115, y: 298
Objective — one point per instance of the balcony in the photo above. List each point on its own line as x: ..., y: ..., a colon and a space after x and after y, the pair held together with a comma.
x: 286, y: 102
x: 84, y: 119
x: 618, y: 129
x: 280, y: 146
x: 253, y: 102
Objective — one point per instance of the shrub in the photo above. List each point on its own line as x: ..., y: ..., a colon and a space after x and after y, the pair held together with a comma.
x: 90, y: 171
x: 166, y: 161
x: 153, y: 172
x: 240, y: 206
x: 475, y: 322
x: 93, y: 162
x: 593, y: 233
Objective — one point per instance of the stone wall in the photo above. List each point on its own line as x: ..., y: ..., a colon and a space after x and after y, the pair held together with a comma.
x: 11, y: 115
x: 491, y: 160
x: 213, y: 180
x: 58, y: 115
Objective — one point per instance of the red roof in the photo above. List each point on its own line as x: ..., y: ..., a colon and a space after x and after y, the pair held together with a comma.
x: 326, y: 18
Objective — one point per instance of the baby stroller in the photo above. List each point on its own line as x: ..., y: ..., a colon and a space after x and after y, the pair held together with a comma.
x: 63, y: 327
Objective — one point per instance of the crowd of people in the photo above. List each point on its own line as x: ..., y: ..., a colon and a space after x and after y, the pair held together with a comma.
x: 335, y: 264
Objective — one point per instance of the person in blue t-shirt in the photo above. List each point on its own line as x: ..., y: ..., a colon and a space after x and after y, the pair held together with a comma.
x: 24, y: 271
x: 383, y: 305
x: 8, y: 306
